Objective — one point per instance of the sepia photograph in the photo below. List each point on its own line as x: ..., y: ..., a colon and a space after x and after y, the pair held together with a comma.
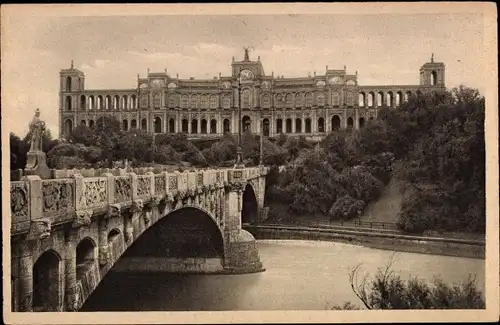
x: 229, y: 163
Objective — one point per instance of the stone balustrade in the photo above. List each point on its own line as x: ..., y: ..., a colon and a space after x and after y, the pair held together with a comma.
x: 81, y: 193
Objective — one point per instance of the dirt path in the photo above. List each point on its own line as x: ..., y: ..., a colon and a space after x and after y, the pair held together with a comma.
x: 387, y: 207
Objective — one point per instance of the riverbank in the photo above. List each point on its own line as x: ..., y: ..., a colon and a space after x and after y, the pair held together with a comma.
x: 374, y: 239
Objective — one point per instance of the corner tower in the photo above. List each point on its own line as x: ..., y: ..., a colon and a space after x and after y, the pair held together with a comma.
x: 71, y: 84
x: 432, y: 74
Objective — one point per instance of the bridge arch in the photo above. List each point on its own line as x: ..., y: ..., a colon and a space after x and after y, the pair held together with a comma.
x: 47, y: 280
x: 187, y: 232
x: 250, y: 208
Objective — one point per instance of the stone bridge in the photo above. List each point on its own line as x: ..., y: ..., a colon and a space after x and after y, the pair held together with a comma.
x: 66, y: 234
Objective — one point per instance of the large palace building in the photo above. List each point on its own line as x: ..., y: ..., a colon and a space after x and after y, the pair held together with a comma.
x: 311, y: 106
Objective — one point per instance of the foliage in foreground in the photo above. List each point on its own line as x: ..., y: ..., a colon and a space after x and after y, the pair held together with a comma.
x: 388, y: 291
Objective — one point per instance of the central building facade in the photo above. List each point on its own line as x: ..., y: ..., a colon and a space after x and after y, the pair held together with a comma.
x: 310, y: 106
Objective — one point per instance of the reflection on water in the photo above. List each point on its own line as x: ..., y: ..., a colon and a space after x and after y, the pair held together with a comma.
x: 300, y: 275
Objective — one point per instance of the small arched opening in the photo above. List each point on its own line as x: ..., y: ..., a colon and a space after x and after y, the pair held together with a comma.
x: 108, y: 102
x: 246, y: 123
x: 133, y: 102
x: 361, y: 99
x: 308, y: 125
x: 226, y: 126
x: 83, y: 102
x: 194, y: 126
x: 115, y: 243
x: 68, y: 127
x: 171, y: 125
x: 47, y: 282
x: 380, y: 99
x: 288, y: 125
x: 279, y: 126
x: 321, y: 125
x: 116, y: 102
x: 67, y: 103
x: 204, y: 126
x: 265, y: 126
x: 157, y: 124
x: 399, y: 98
x: 125, y: 125
x: 433, y: 78
x: 298, y: 125
x: 371, y: 99
x: 213, y: 126
x: 350, y: 123
x: 390, y: 99
x: 335, y: 122
x: 91, y: 103
x: 68, y: 84
x: 85, y: 258
x: 133, y: 124
x: 185, y: 126
x: 249, y: 212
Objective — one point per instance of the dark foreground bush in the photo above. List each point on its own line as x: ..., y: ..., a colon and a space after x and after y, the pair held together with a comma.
x: 388, y: 291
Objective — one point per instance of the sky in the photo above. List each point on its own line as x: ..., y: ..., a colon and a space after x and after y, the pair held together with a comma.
x: 112, y: 49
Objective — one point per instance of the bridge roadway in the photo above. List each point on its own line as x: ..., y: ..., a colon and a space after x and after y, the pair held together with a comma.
x: 67, y: 233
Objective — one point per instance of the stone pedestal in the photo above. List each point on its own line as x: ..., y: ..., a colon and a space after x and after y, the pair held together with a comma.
x: 37, y: 165
x: 242, y: 255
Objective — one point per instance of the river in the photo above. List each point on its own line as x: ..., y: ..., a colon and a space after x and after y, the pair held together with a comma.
x: 300, y: 275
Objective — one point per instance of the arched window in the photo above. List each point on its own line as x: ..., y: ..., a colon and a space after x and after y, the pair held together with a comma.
x: 171, y: 125
x: 371, y: 99
x: 389, y: 99
x: 108, y: 102
x: 91, y: 124
x: 309, y: 100
x: 184, y: 101
x: 246, y: 101
x: 125, y: 125
x: 299, y: 101
x: 298, y: 125
x: 100, y: 102
x: 185, y: 126
x: 68, y: 103
x: 361, y: 99
x: 204, y: 126
x: 279, y: 101
x: 194, y: 126
x: 321, y: 125
x: 133, y: 102
x: 335, y: 122
x: 380, y: 99
x: 308, y: 125
x: 335, y: 99
x: 116, y: 102
x: 46, y: 282
x: 213, y: 126
x: 350, y: 123
x: 133, y: 124
x: 226, y: 101
x: 288, y: 125
x: 68, y: 84
x: 144, y: 124
x: 171, y: 101
x: 289, y: 100
x: 68, y: 127
x: 226, y: 126
x: 350, y: 99
x: 204, y: 102
x: 279, y: 126
x: 156, y: 100
x: 157, y: 123
x: 144, y: 101
x: 266, y: 103
x: 247, y: 123
x: 214, y: 102
x: 399, y: 98
x: 433, y: 78
x: 83, y: 102
x: 91, y: 102
x: 125, y: 102
x: 265, y: 127
x: 320, y: 99
x: 194, y: 101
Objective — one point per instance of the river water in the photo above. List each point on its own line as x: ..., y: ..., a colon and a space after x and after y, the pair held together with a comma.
x: 300, y: 275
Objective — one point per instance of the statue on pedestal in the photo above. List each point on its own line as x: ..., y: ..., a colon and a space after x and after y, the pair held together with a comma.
x: 37, y: 160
